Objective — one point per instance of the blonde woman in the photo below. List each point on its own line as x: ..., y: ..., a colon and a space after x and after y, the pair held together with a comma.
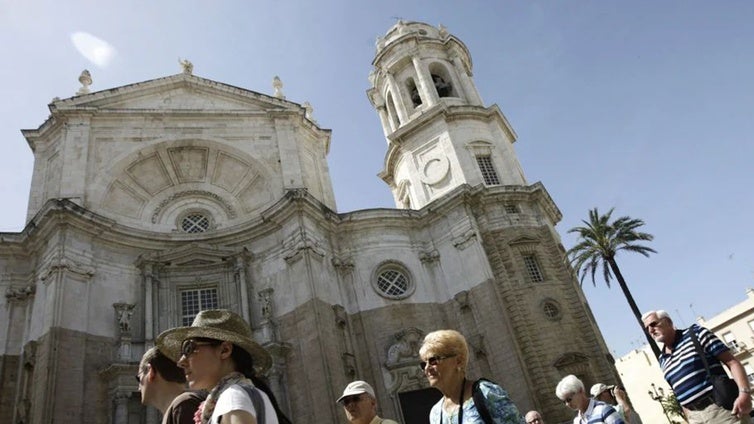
x: 218, y: 354
x: 444, y: 358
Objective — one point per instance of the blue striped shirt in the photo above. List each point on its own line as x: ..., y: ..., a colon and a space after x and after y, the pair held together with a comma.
x: 684, y: 369
x: 598, y: 413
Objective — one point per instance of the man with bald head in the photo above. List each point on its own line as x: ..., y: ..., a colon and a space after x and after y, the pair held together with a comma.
x: 684, y: 370
x: 534, y: 417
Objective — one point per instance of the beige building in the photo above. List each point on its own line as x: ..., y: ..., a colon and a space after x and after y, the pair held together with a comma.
x: 154, y: 200
x: 735, y: 326
x: 642, y: 377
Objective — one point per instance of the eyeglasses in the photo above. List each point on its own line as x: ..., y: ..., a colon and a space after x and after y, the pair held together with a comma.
x: 138, y: 379
x: 351, y: 399
x: 653, y: 324
x: 534, y: 420
x: 568, y: 399
x: 433, y: 361
x: 190, y: 346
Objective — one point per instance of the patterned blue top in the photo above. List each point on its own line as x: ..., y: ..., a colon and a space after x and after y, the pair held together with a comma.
x: 501, y: 408
x: 598, y: 413
x: 684, y: 369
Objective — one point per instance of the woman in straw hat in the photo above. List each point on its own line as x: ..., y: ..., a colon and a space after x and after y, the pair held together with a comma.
x: 218, y: 355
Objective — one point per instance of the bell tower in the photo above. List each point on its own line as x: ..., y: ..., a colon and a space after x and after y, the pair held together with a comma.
x: 439, y: 133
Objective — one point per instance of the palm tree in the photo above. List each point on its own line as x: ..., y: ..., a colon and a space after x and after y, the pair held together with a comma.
x: 599, y: 242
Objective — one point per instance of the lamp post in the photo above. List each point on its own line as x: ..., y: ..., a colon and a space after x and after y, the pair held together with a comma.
x: 658, y: 394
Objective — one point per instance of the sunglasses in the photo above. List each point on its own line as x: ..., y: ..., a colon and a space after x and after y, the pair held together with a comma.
x: 568, y: 399
x: 433, y: 361
x: 138, y: 379
x: 190, y: 346
x: 653, y: 324
x: 351, y: 399
x: 535, y: 420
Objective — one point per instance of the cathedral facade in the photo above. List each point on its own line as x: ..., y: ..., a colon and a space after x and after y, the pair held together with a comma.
x: 152, y: 201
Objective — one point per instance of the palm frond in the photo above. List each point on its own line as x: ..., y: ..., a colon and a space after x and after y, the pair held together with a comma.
x: 600, y: 239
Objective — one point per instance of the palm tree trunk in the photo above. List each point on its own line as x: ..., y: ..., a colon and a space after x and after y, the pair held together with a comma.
x: 632, y: 304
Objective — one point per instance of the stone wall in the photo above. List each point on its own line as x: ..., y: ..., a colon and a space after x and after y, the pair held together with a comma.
x: 9, y: 365
x: 67, y: 387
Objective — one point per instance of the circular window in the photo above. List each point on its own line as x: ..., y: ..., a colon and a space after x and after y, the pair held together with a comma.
x: 551, y: 309
x: 393, y: 282
x: 195, y: 223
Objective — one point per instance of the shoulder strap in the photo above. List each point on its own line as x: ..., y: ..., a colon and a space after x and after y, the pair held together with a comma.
x: 481, y: 402
x: 256, y: 400
x: 699, y: 350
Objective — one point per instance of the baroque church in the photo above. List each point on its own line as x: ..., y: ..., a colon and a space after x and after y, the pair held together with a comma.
x: 155, y: 200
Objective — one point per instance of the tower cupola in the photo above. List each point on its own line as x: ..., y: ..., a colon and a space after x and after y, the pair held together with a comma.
x: 439, y: 133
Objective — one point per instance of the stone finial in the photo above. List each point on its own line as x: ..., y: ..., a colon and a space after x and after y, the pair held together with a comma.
x: 443, y: 31
x: 309, y: 112
x: 277, y: 84
x: 186, y: 66
x: 86, y: 80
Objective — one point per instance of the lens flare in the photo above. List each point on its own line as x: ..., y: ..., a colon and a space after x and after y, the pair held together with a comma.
x: 94, y: 49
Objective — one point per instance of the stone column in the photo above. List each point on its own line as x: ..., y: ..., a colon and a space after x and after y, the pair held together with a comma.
x: 400, y: 106
x: 276, y: 374
x: 148, y: 305
x: 472, y: 96
x: 120, y: 402
x: 425, y: 82
x: 240, y: 276
x: 387, y: 126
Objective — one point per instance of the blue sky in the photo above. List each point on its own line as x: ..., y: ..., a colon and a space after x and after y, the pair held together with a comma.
x: 643, y: 106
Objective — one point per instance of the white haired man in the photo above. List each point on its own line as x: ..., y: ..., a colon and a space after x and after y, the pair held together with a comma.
x: 360, y: 404
x: 684, y: 370
x: 590, y: 411
x: 534, y: 417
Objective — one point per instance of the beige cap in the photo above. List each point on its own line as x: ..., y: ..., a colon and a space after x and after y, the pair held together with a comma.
x: 598, y: 388
x: 356, y: 388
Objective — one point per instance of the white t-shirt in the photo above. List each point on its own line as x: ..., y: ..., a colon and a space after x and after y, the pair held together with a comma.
x: 235, y: 398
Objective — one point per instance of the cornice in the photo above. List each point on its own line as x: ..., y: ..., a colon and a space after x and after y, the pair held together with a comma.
x: 96, y: 103
x: 429, y: 117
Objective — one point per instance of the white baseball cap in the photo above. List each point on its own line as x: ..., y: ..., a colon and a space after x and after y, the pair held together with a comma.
x: 356, y: 388
x: 598, y: 388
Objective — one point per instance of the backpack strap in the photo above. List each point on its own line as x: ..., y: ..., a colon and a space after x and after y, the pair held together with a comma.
x: 481, y: 402
x: 256, y: 400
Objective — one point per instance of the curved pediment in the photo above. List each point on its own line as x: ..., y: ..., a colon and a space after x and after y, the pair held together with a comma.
x: 569, y: 359
x: 524, y: 240
x: 157, y: 186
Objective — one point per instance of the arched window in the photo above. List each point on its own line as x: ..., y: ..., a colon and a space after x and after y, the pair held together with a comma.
x: 442, y: 80
x: 195, y: 222
x: 416, y: 98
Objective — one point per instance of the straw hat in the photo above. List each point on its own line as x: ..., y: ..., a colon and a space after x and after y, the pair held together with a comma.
x: 218, y: 324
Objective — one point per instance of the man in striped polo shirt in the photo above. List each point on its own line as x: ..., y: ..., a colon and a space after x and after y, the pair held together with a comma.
x: 590, y: 411
x: 684, y: 370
